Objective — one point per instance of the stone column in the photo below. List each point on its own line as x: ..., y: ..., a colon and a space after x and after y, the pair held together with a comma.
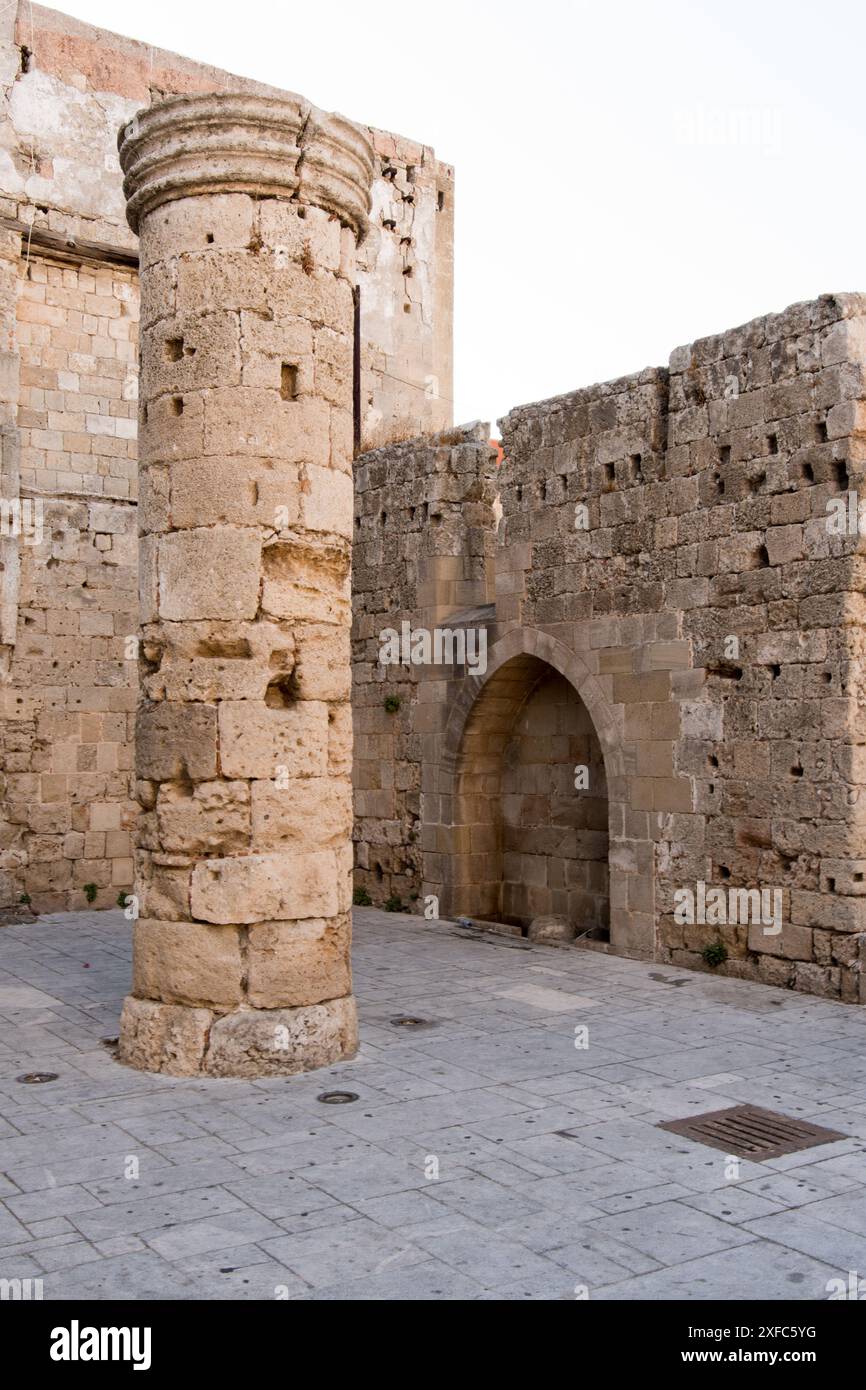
x: 248, y: 211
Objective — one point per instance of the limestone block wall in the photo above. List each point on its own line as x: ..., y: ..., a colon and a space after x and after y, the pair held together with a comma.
x: 66, y: 89
x: 554, y: 843
x: 406, y: 286
x: 767, y: 423
x: 69, y: 311
x: 665, y: 547
x: 67, y: 697
x: 424, y: 542
x: 10, y: 468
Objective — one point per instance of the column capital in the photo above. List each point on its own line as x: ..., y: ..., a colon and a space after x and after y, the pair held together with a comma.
x: 273, y: 147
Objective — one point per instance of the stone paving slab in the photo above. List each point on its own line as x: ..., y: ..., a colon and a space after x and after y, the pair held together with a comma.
x: 488, y: 1156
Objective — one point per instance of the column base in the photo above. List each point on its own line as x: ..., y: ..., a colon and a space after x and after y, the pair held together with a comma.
x: 182, y: 1041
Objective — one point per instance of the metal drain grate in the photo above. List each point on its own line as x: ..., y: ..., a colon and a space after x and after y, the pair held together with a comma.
x: 749, y: 1132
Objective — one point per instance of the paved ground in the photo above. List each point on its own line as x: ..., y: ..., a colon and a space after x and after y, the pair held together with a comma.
x: 488, y: 1157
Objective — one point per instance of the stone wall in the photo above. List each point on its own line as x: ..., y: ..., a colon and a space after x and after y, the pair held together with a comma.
x: 423, y: 548
x: 651, y: 567
x: 554, y: 844
x: 406, y: 288
x: 68, y: 696
x: 69, y: 303
x: 665, y: 547
x: 67, y: 87
x: 766, y: 429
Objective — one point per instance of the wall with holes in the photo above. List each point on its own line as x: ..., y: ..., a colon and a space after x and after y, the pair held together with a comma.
x: 720, y: 622
x: 669, y: 543
x: 69, y: 309
x: 66, y: 89
x: 424, y: 541
x: 406, y: 283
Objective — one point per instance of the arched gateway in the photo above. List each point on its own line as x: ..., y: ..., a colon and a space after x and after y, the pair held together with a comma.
x: 530, y: 784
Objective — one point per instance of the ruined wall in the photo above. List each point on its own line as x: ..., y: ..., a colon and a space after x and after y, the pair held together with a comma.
x: 647, y: 522
x: 68, y: 87
x: 767, y: 428
x: 423, y: 549
x: 68, y: 405
x: 708, y: 619
x: 67, y: 700
x: 67, y: 715
x: 406, y: 285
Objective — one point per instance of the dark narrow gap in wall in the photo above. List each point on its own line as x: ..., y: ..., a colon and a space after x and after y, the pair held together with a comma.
x: 356, y: 369
x: 664, y: 403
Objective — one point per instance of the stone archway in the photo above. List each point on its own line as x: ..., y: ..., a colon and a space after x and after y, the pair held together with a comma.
x: 531, y: 676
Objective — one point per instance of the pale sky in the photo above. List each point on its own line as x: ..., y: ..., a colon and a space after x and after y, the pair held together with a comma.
x: 628, y: 176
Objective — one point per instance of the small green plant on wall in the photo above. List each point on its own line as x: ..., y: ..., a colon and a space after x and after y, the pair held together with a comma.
x: 394, y: 905
x: 714, y: 954
x: 392, y: 703
x: 361, y: 898
x: 90, y: 891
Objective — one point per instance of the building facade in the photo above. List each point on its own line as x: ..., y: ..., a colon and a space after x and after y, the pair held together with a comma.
x: 643, y: 716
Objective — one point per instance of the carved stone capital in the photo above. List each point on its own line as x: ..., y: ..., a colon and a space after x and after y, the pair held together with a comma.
x: 238, y: 143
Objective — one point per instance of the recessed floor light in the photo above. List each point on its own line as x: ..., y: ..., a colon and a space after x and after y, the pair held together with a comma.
x: 337, y: 1097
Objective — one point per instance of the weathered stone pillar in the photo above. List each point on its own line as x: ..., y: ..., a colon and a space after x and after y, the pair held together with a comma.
x: 248, y: 211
